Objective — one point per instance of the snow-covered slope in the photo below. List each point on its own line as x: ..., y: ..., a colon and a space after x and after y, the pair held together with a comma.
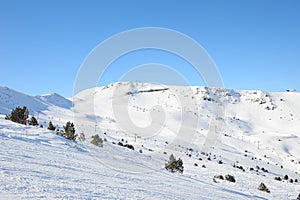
x: 46, y: 166
x: 45, y: 107
x: 56, y: 100
x: 10, y: 99
x: 257, y: 134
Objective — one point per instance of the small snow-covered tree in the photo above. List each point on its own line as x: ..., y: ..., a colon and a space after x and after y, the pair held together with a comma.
x: 51, y: 127
x: 33, y: 121
x: 97, y: 140
x: 263, y: 187
x: 70, y: 131
x: 174, y: 165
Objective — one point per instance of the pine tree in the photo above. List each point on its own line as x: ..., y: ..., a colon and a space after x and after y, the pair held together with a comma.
x: 97, y: 140
x: 51, y: 127
x: 70, y: 131
x: 33, y: 121
x: 174, y: 165
x: 263, y: 187
x: 18, y: 115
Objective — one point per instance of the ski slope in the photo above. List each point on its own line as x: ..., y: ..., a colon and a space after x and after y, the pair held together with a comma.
x: 258, y: 130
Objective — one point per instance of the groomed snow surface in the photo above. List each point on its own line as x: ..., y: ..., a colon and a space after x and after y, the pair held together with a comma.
x: 258, y: 140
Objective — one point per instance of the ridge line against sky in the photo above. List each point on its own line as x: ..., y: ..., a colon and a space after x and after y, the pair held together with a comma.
x: 255, y: 44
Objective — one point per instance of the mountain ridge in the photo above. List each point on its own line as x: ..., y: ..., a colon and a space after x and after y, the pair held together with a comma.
x: 256, y: 139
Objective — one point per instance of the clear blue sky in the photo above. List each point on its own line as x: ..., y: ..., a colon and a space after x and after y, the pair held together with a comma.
x: 255, y: 44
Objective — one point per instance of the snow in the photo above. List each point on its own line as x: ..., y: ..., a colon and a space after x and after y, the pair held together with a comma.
x: 257, y: 129
x: 56, y: 99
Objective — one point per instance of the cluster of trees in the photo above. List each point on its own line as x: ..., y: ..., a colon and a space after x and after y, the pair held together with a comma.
x: 68, y: 132
x: 20, y: 115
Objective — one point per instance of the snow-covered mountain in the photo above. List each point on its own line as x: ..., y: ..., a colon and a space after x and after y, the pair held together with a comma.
x: 56, y: 100
x: 45, y: 107
x: 252, y: 135
x: 9, y: 99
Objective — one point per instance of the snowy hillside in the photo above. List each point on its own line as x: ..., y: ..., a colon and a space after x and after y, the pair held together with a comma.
x: 44, y: 108
x: 257, y: 139
x: 56, y: 100
x: 9, y: 99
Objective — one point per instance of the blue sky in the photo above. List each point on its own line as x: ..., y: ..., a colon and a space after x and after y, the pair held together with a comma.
x: 255, y: 44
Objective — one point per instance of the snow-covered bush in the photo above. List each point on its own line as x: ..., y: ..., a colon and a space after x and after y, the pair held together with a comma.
x: 97, y: 140
x: 174, y: 165
x: 129, y: 146
x: 263, y: 187
x: 230, y: 178
x: 219, y: 177
x: 51, y: 127
x: 277, y: 178
x: 33, y: 121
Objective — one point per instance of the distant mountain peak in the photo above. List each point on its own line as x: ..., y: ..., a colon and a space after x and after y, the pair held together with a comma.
x: 10, y: 98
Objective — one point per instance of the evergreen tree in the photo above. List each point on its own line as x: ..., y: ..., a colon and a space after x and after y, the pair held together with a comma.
x: 51, y: 127
x: 82, y: 137
x: 18, y: 115
x: 263, y: 187
x: 97, y: 140
x: 174, y: 165
x: 33, y: 121
x: 70, y: 131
